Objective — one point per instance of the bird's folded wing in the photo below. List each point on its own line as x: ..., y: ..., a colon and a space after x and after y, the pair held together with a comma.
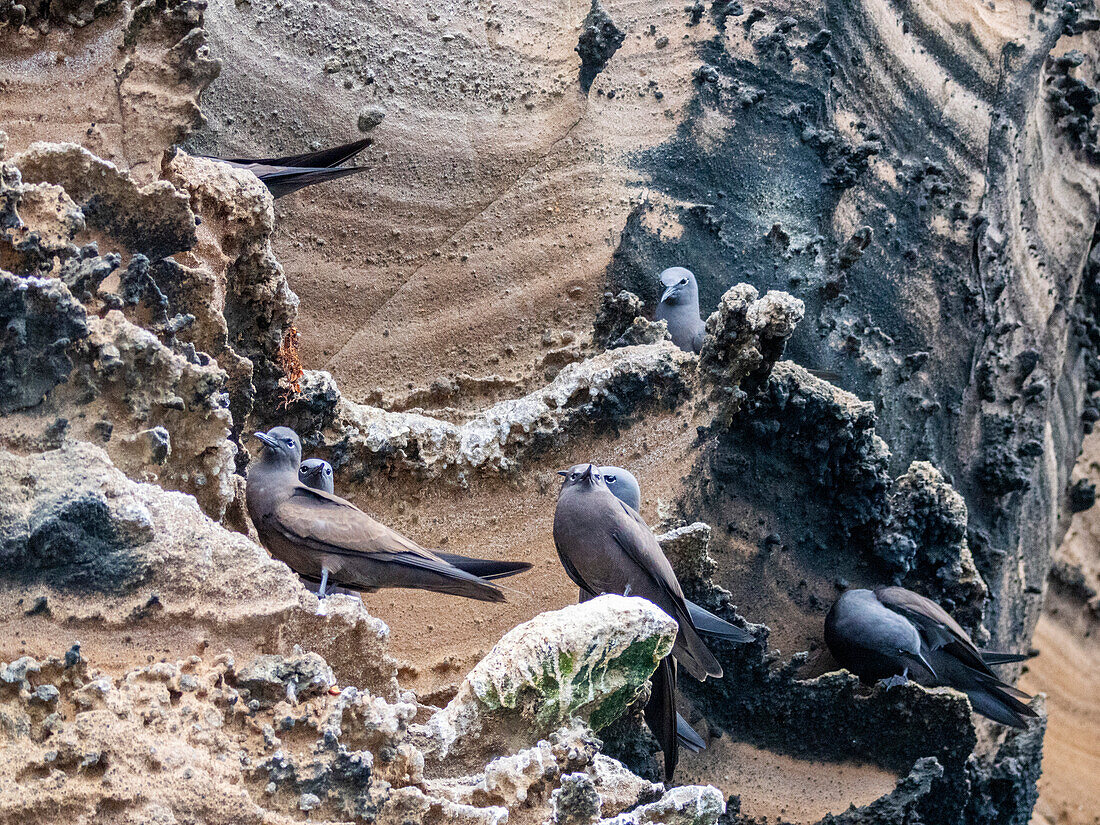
x: 330, y: 524
x: 640, y: 546
x: 935, y: 624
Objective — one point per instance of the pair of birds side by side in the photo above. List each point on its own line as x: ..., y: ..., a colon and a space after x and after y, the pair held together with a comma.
x: 290, y: 173
x: 606, y: 547
x: 321, y: 536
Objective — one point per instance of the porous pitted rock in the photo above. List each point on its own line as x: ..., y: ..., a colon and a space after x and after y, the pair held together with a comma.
x: 152, y: 219
x: 231, y: 280
x: 745, y: 337
x: 270, y: 679
x: 823, y: 435
x: 925, y: 548
x: 164, y: 386
x: 40, y: 319
x: 600, y: 39
x: 160, y: 416
x: 587, y: 661
x: 576, y: 801
x: 126, y: 563
x: 617, y: 313
x: 128, y: 97
x: 688, y: 551
x: 686, y: 805
x: 181, y: 742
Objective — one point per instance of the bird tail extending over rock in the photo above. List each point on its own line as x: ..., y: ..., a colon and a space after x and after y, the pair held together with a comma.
x: 996, y: 657
x: 484, y: 568
x: 284, y: 181
x: 707, y: 622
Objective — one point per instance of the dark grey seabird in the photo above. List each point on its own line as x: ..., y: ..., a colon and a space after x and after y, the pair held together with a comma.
x: 606, y: 547
x: 293, y: 172
x: 679, y: 308
x: 317, y: 473
x: 894, y: 634
x: 321, y: 536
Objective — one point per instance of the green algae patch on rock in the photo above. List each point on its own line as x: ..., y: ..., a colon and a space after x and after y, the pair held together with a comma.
x: 587, y: 661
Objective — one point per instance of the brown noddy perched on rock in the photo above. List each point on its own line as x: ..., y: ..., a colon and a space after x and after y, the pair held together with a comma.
x: 321, y: 536
x: 679, y: 308
x: 892, y: 634
x: 624, y: 486
x: 317, y: 473
x: 290, y: 173
x: 606, y: 547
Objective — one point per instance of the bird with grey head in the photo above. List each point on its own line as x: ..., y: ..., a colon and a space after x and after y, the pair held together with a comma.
x: 322, y: 536
x: 679, y: 308
x: 893, y: 634
x: 606, y: 547
x: 317, y: 473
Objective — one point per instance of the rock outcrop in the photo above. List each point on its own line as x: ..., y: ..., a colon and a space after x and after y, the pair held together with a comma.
x: 905, y: 199
x: 237, y: 733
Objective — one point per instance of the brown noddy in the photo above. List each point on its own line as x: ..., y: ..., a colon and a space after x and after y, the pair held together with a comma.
x: 679, y: 308
x: 317, y: 473
x: 606, y: 547
x: 321, y: 536
x: 290, y: 173
x: 892, y: 634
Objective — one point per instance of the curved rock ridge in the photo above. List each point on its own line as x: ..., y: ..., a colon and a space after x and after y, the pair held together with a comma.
x: 163, y: 321
x: 611, y: 387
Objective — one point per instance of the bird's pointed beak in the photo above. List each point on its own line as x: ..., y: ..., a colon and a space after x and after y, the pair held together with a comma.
x: 668, y: 293
x: 265, y: 438
x: 563, y: 473
x: 587, y: 474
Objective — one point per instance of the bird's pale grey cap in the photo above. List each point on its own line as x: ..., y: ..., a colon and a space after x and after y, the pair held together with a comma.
x: 680, y: 286
x: 623, y: 485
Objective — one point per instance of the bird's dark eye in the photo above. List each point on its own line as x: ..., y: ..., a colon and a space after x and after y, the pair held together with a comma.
x: 289, y: 442
x: 683, y: 281
x: 610, y: 479
x: 575, y: 476
x: 328, y: 471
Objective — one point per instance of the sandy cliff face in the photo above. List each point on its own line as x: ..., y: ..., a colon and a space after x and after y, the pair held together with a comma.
x: 904, y: 195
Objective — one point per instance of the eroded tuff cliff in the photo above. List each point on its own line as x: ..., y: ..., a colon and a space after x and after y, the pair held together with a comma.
x: 918, y: 183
